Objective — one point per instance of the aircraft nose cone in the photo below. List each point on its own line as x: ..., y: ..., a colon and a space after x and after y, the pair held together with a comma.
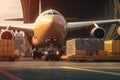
x: 48, y: 20
x: 44, y: 20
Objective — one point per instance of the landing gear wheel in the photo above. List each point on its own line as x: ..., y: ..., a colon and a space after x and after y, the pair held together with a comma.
x: 46, y: 58
x: 34, y: 56
x: 11, y: 59
x: 57, y: 59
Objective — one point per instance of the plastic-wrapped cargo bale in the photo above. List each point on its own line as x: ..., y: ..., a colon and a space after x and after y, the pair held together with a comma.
x: 1, y: 52
x: 73, y: 45
x: 112, y: 46
x: 97, y: 44
x: 117, y: 45
x: 94, y: 45
x: 86, y: 46
x: 89, y: 46
x: 79, y: 44
x: 101, y: 44
x: 70, y: 47
x: 80, y: 52
x: 10, y: 42
x: 102, y: 53
x: 6, y: 48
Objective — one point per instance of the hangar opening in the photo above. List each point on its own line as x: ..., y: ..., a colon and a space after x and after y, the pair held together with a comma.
x: 79, y: 9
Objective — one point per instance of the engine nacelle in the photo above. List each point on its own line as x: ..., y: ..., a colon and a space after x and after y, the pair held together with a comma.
x: 118, y: 31
x: 98, y: 32
x: 7, y: 35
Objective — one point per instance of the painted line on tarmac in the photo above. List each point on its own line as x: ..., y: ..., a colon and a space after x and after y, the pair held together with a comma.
x: 9, y: 75
x: 89, y: 70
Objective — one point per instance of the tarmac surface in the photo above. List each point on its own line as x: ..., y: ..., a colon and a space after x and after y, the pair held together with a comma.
x: 29, y: 69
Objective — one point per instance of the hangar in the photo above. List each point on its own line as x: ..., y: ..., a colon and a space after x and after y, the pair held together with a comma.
x: 83, y: 10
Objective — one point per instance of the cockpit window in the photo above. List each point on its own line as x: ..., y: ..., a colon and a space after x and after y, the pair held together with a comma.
x: 51, y: 13
x: 45, y: 14
x: 55, y: 13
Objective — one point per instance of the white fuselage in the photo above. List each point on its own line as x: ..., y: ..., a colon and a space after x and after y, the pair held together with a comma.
x: 50, y: 27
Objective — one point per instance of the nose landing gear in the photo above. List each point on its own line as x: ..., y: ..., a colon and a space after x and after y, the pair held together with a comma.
x: 52, y: 53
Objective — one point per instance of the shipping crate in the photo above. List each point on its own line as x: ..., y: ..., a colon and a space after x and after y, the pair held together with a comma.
x: 83, y: 46
x: 102, y: 53
x: 112, y: 46
x: 80, y: 52
x: 6, y: 47
x: 70, y: 47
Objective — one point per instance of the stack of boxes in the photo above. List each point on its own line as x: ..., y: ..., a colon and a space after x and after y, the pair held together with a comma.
x: 7, y: 47
x: 93, y: 47
x: 70, y: 47
x: 84, y: 47
x: 112, y: 47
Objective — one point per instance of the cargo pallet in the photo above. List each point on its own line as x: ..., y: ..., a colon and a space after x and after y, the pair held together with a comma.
x: 93, y: 58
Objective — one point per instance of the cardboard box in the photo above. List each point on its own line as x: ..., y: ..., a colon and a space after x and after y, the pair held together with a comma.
x: 112, y: 46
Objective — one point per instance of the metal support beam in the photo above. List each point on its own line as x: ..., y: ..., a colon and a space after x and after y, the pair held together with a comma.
x: 30, y: 10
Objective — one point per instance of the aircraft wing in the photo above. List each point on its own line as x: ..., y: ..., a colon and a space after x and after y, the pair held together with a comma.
x: 17, y: 25
x: 79, y: 25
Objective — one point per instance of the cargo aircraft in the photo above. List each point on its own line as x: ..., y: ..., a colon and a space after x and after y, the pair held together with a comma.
x: 50, y: 30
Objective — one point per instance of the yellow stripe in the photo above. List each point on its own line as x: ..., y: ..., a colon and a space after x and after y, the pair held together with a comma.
x: 89, y: 70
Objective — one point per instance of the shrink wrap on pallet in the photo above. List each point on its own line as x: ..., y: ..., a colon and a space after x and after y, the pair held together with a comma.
x: 70, y: 47
x: 86, y: 46
x: 112, y: 46
x: 6, y: 47
x: 80, y: 52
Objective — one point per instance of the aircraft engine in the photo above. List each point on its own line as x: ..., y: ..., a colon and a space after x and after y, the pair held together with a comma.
x: 118, y: 31
x: 98, y: 32
x: 7, y: 34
